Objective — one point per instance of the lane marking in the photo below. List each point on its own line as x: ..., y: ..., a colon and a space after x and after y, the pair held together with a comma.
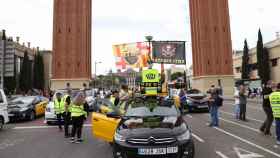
x: 190, y: 116
x: 242, y: 153
x: 244, y: 126
x: 198, y: 138
x: 249, y: 118
x: 248, y: 142
x: 43, y: 127
x: 221, y: 154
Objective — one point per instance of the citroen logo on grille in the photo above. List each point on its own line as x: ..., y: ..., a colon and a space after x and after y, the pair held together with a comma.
x: 152, y: 140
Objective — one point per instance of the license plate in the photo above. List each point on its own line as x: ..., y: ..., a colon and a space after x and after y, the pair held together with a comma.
x: 158, y: 151
x: 203, y: 106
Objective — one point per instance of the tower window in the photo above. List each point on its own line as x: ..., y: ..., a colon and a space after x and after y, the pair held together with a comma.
x: 69, y: 30
x: 274, y: 62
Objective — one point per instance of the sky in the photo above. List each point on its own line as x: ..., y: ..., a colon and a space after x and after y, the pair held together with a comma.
x: 125, y: 21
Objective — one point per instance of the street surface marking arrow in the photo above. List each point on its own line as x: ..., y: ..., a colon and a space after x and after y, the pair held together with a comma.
x: 242, y: 153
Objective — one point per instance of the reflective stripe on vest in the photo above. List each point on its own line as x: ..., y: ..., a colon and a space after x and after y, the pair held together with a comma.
x: 274, y: 99
x: 77, y: 111
x: 59, y: 106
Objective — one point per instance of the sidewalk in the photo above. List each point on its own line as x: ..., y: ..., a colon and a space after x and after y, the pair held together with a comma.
x: 254, y: 100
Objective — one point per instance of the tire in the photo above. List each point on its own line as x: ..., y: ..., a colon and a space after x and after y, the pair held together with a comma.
x: 192, y: 152
x: 32, y: 116
x: 1, y: 123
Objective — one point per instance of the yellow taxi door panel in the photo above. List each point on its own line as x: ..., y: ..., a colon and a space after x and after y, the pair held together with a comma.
x: 103, y: 127
x: 37, y: 109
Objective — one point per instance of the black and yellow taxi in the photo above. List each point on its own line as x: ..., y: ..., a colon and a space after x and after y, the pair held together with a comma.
x: 150, y: 127
x: 27, y: 107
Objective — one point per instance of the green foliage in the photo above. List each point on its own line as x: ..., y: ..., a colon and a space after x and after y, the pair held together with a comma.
x: 176, y: 75
x: 266, y: 65
x: 260, y: 55
x: 245, y: 62
x: 38, y: 70
x: 25, y: 80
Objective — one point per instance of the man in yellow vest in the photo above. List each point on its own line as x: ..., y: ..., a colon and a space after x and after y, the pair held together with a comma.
x: 150, y: 81
x: 274, y: 99
x: 59, y: 109
x: 77, y: 114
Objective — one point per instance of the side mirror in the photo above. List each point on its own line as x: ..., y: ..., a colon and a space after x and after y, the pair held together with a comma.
x: 113, y: 115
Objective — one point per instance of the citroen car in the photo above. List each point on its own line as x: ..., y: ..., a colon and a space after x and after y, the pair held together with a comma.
x: 150, y: 127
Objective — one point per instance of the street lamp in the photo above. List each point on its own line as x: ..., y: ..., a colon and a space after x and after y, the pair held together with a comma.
x: 95, y: 72
x: 149, y: 39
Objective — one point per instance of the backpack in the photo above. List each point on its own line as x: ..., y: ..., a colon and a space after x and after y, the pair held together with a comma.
x: 219, y: 101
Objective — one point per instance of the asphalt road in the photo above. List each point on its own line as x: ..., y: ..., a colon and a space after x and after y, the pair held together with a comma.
x: 233, y: 139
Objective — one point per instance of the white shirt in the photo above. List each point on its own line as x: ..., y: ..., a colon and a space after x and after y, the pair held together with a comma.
x: 236, y: 94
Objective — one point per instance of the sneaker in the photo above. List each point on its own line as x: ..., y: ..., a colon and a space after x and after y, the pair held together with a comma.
x: 79, y: 141
x: 72, y: 140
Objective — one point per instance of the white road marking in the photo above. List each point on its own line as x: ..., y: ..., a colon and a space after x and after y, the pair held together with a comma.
x: 242, y: 153
x: 190, y: 116
x: 232, y: 114
x: 198, y: 138
x: 42, y: 127
x: 244, y: 126
x: 248, y: 142
x: 9, y: 143
x: 221, y: 154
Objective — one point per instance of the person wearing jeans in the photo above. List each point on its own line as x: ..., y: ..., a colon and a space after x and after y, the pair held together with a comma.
x: 214, y: 108
x: 242, y: 102
x: 274, y: 99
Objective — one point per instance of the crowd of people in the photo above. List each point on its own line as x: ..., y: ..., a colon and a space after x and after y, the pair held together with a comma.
x: 271, y: 106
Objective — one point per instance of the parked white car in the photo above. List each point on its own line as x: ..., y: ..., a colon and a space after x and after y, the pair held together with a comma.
x: 4, y: 117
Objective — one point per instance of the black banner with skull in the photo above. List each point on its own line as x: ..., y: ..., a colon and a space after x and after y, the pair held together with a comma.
x: 169, y: 52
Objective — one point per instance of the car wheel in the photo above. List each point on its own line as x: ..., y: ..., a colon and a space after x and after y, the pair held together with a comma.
x: 192, y: 151
x: 32, y: 116
x: 1, y: 123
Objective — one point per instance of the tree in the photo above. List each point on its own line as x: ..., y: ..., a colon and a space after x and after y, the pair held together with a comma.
x: 245, y: 62
x: 260, y: 56
x: 25, y: 82
x: 38, y: 70
x: 266, y: 65
x: 176, y: 75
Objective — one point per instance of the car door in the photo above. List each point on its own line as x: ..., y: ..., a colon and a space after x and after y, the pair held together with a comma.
x: 104, y: 127
x: 38, y: 106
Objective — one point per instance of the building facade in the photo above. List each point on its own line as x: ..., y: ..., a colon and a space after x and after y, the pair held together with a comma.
x: 274, y: 57
x: 11, y: 58
x: 71, y: 43
x: 211, y: 45
x: 47, y: 59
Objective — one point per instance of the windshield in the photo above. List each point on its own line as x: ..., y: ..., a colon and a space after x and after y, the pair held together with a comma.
x: 22, y: 100
x: 194, y: 91
x: 148, y: 108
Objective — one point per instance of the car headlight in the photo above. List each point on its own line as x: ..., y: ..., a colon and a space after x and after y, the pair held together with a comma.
x: 185, y: 136
x: 23, y: 109
x: 189, y: 102
x: 119, y: 138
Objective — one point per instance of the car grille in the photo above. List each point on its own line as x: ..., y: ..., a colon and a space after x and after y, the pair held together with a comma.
x: 151, y: 140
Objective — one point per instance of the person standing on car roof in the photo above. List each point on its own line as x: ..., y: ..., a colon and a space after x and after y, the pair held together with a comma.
x: 59, y: 109
x: 67, y: 113
x: 265, y: 128
x: 274, y: 99
x: 78, y: 115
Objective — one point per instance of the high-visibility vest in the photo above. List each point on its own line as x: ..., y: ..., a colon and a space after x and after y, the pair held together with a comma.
x: 149, y: 77
x: 77, y: 110
x: 112, y: 99
x: 274, y: 99
x: 59, y: 106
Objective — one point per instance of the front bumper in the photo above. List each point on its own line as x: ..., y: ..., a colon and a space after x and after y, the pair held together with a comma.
x: 18, y: 115
x: 125, y: 150
x: 198, y: 107
x: 50, y: 117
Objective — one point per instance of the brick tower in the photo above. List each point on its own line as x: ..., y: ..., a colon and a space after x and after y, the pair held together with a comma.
x: 71, y: 62
x: 211, y: 45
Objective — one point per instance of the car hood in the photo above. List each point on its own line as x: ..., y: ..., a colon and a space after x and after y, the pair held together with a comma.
x: 196, y: 96
x: 14, y: 106
x: 152, y: 126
